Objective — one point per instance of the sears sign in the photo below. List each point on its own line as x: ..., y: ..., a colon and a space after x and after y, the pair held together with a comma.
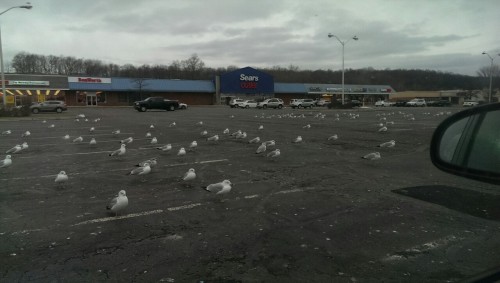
x: 247, y: 81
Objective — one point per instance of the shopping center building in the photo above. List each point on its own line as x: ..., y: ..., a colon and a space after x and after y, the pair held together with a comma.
x: 242, y: 83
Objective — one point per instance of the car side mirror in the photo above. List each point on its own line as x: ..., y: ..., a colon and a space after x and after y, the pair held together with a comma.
x: 468, y: 144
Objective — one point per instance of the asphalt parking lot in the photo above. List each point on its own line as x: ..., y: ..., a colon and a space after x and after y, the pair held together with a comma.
x: 317, y: 213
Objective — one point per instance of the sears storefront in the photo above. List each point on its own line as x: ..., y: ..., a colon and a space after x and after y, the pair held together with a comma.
x: 245, y: 82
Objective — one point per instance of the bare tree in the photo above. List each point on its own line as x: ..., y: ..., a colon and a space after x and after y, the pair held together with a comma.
x: 485, y: 71
x: 193, y: 66
x: 140, y: 84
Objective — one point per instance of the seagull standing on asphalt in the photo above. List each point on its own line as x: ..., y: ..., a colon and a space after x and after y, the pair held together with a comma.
x: 92, y: 129
x: 213, y: 138
x: 204, y: 133
x: 273, y: 154
x: 61, y: 178
x: 390, y: 143
x: 17, y: 148
x: 8, y: 132
x: 261, y: 127
x: 166, y: 147
x: 142, y: 170
x: 93, y: 142
x: 172, y: 124
x: 298, y: 139
x: 262, y: 148
x: 333, y: 138
x: 226, y: 131
x: 193, y: 145
x: 24, y: 145
x: 66, y: 137
x: 148, y: 135
x: 127, y: 140
x: 190, y: 175
x: 78, y: 139
x: 154, y: 140
x: 6, y: 162
x: 372, y: 156
x: 383, y: 129
x: 181, y: 152
x: 254, y: 140
x: 26, y: 134
x: 116, y: 132
x: 120, y: 151
x: 223, y: 187
x: 119, y: 203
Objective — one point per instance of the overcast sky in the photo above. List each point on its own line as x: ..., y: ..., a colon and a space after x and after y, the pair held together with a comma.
x: 443, y: 35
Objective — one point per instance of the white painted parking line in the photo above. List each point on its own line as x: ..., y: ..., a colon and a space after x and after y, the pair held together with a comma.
x: 106, y: 219
x: 188, y: 206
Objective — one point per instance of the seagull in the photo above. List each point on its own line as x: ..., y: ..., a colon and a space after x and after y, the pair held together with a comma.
x: 308, y: 126
x: 78, y: 139
x: 181, y: 151
x: 390, y: 143
x: 298, y: 139
x: 17, y: 148
x: 372, y: 156
x: 44, y: 121
x: 97, y: 120
x: 223, y: 187
x: 80, y: 116
x: 262, y: 148
x: 193, y: 145
x: 8, y: 132
x: 383, y: 129
x: 166, y: 147
x: 172, y: 124
x: 199, y: 123
x: 92, y: 129
x: 6, y: 162
x: 189, y: 175
x: 52, y: 126
x: 226, y: 131
x: 152, y: 162
x: 261, y: 127
x: 152, y: 126
x: 148, y: 135
x: 127, y: 140
x: 116, y: 132
x: 274, y: 153
x: 24, y: 145
x: 270, y: 143
x: 204, y: 133
x: 93, y: 142
x: 254, y: 140
x: 213, y: 138
x: 61, y: 178
x: 333, y: 138
x: 242, y: 135
x: 66, y: 137
x: 238, y: 132
x: 154, y: 140
x: 118, y: 203
x: 120, y: 151
x: 142, y: 170
x: 26, y: 134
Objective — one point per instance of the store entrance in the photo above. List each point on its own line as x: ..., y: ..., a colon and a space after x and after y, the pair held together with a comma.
x: 91, y: 99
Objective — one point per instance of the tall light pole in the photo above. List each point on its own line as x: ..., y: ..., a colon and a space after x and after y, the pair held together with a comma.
x: 343, y: 45
x: 4, y: 94
x: 491, y: 72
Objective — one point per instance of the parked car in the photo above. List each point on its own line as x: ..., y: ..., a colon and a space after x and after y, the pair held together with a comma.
x: 400, y: 103
x: 356, y: 103
x: 248, y: 104
x: 438, y: 103
x: 183, y: 106
x: 234, y: 102
x: 416, y: 102
x: 383, y: 103
x: 271, y: 103
x: 49, y: 106
x: 156, y: 103
x: 321, y: 102
x: 299, y: 103
x: 470, y: 103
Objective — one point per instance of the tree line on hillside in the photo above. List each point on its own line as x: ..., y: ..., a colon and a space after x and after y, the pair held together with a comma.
x: 193, y: 68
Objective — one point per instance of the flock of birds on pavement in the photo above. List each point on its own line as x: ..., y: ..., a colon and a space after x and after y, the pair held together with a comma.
x: 119, y: 203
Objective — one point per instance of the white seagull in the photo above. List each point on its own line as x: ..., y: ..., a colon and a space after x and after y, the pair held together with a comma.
x: 152, y: 126
x: 92, y: 129
x: 274, y: 153
x: 52, y: 126
x: 154, y: 140
x: 119, y: 203
x: 181, y: 152
x: 66, y: 137
x: 116, y: 132
x: 226, y: 131
x: 189, y: 175
x: 127, y: 140
x: 254, y: 140
x: 166, y: 147
x: 142, y: 170
x: 172, y: 124
x: 17, y: 148
x: 383, y: 129
x: 262, y: 148
x: 6, y: 162
x: 223, y: 187
x: 372, y: 156
x: 24, y: 145
x: 270, y: 143
x: 61, y: 178
x: 213, y: 138
x: 148, y: 135
x: 193, y: 145
x: 261, y: 127
x: 8, y: 132
x: 390, y: 143
x: 93, y: 142
x: 204, y: 133
x: 308, y: 126
x: 333, y: 138
x: 78, y: 139
x: 26, y: 134
x: 152, y: 162
x: 120, y: 151
x: 200, y: 123
x: 297, y: 139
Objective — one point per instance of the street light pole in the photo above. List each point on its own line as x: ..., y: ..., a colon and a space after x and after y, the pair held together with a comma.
x: 4, y: 94
x: 330, y: 35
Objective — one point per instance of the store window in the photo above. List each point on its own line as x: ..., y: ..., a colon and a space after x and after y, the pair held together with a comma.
x: 101, y: 97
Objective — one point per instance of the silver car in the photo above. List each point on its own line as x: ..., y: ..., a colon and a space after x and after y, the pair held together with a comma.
x: 49, y: 106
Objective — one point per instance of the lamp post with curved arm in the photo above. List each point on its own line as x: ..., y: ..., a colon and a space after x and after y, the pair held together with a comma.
x: 330, y: 35
x: 4, y: 94
x: 491, y: 73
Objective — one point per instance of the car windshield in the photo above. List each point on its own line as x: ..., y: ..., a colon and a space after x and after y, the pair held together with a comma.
x: 300, y: 153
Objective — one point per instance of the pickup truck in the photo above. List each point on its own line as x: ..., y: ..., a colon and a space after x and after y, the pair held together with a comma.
x: 156, y: 103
